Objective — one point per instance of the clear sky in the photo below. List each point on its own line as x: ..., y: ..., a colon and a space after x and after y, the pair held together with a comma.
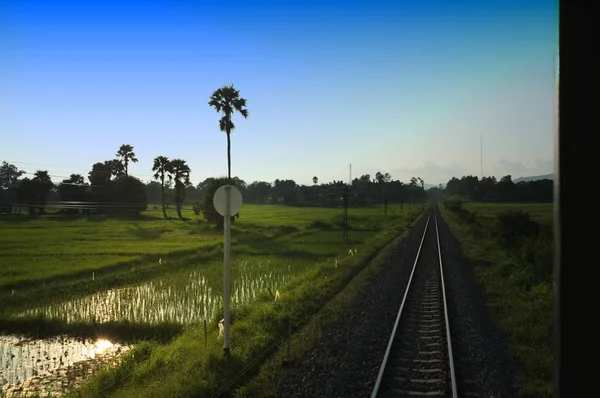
x: 401, y: 87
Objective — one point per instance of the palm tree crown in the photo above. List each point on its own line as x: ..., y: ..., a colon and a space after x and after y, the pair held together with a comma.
x: 161, y: 168
x: 127, y: 155
x: 227, y: 100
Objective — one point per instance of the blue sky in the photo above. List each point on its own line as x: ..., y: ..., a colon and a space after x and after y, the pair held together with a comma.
x: 394, y: 86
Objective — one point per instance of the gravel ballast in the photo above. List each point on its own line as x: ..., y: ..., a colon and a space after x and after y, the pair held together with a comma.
x: 481, y: 356
x: 346, y: 360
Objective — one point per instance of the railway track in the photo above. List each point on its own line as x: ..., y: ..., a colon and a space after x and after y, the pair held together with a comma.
x: 418, y: 359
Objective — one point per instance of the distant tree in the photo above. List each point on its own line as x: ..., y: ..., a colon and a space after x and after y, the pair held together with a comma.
x: 128, y: 195
x: 162, y: 168
x: 100, y: 180
x: 258, y: 192
x: 181, y: 176
x: 489, y: 190
x: 25, y: 193
x: 154, y: 192
x: 422, y: 189
x: 9, y: 179
x: 206, y: 206
x: 413, y: 187
x: 126, y: 155
x: 379, y: 178
x: 227, y: 100
x: 506, y: 189
x: 100, y: 174
x: 116, y: 167
x: 73, y: 190
x: 42, y: 186
x: 240, y: 185
x: 9, y: 174
x: 315, y: 180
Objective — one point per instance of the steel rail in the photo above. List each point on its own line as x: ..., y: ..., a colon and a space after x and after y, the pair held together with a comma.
x: 448, y: 339
x: 400, y: 312
x: 391, y: 341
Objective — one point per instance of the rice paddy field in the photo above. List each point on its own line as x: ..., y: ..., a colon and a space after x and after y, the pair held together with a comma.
x: 540, y: 212
x: 68, y: 275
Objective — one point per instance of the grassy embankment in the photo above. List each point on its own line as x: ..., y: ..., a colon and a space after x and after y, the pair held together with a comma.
x: 56, y: 259
x: 513, y: 259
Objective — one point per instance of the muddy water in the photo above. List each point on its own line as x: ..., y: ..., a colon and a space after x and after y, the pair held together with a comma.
x: 51, y: 366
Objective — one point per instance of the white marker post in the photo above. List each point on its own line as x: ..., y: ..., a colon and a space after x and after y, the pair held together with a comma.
x: 228, y: 202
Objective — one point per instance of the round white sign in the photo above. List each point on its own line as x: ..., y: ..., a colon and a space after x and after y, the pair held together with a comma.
x: 220, y: 200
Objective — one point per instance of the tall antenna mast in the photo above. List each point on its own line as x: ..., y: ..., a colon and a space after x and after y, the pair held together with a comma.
x: 481, y: 156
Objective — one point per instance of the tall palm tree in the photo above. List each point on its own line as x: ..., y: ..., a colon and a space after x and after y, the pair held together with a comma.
x: 315, y: 180
x: 181, y: 175
x: 127, y: 155
x: 161, y: 168
x: 227, y: 100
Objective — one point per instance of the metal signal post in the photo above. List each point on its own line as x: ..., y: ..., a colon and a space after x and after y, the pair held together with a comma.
x: 346, y: 190
x: 228, y: 202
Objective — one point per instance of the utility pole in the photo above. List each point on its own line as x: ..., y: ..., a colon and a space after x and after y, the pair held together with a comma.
x: 481, y: 156
x: 345, y: 213
x: 385, y: 206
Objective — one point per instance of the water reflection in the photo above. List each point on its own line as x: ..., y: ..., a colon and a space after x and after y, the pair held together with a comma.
x: 51, y: 364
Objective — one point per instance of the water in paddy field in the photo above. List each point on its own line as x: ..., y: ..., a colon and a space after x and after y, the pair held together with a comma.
x: 51, y: 366
x: 189, y: 300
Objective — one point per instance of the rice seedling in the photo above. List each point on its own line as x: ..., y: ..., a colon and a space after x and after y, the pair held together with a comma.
x: 184, y: 298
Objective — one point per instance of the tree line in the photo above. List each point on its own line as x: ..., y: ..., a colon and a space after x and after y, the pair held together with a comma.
x: 109, y: 187
x: 488, y: 189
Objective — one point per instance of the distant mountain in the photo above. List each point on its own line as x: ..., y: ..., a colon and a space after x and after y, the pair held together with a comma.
x: 535, y: 178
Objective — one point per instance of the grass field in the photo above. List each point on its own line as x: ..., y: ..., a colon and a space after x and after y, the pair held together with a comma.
x: 540, y: 212
x: 89, y: 253
x: 518, y: 295
x: 74, y: 274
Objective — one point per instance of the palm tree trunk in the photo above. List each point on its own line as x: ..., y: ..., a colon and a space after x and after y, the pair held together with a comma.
x: 178, y: 200
x: 126, y: 174
x: 162, y: 183
x: 229, y: 155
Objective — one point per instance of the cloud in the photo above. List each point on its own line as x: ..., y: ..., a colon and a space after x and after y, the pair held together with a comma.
x: 430, y: 172
x: 531, y: 167
x: 512, y: 166
x: 430, y: 167
x: 543, y: 165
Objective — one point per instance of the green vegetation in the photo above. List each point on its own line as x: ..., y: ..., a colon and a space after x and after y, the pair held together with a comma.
x: 539, y: 212
x: 72, y: 273
x: 268, y: 379
x: 185, y: 366
x: 92, y: 252
x: 513, y: 259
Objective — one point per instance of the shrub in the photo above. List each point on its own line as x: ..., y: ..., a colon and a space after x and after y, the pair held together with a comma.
x: 129, y: 194
x: 514, y: 226
x: 206, y: 206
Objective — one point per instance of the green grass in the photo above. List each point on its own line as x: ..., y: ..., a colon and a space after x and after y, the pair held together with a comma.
x: 268, y: 379
x: 185, y: 367
x: 101, y: 275
x: 540, y: 212
x: 64, y: 268
x: 521, y: 303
